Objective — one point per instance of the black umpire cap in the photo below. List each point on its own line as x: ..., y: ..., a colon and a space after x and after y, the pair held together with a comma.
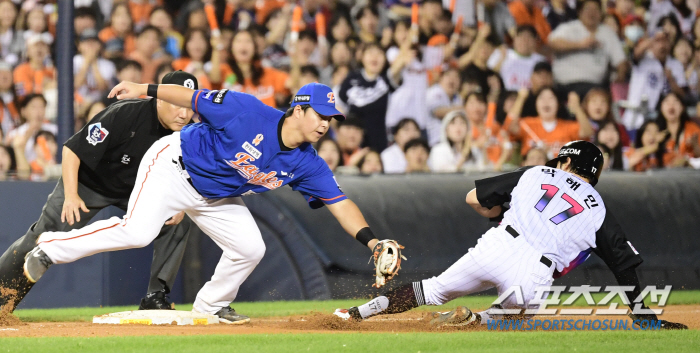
x: 181, y: 78
x: 586, y: 159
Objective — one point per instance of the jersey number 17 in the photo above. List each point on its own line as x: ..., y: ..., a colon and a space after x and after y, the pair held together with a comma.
x: 549, y: 192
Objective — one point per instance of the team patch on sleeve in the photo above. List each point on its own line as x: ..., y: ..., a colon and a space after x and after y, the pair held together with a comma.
x: 96, y: 134
x: 219, y: 97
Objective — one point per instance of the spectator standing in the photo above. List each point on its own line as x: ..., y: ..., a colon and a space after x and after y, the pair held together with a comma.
x: 526, y: 12
x: 496, y: 14
x: 117, y: 36
x: 38, y: 71
x: 590, y: 47
x: 684, y: 52
x: 678, y: 8
x: 516, y: 65
x: 683, y: 136
x: 442, y: 98
x: 93, y: 74
x: 10, y: 41
x: 558, y: 12
x: 367, y: 19
x: 409, y: 99
x: 365, y: 92
x: 393, y: 158
x: 655, y: 73
x: 474, y: 61
x: 245, y: 73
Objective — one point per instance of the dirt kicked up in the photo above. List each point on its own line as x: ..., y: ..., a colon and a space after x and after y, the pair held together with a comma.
x: 311, y: 323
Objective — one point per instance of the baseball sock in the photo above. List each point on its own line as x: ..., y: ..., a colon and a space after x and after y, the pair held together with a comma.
x: 403, y: 298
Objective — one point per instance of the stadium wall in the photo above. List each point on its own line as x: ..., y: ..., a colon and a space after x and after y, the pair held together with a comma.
x: 309, y: 256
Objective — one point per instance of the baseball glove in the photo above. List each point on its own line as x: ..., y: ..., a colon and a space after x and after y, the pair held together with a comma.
x: 387, y: 261
x: 665, y: 325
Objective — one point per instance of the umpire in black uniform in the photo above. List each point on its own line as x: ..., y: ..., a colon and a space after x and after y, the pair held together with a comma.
x: 100, y: 163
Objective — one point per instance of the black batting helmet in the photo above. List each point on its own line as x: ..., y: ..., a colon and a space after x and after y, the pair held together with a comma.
x: 586, y: 159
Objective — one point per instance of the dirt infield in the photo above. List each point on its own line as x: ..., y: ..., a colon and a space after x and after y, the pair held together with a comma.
x: 312, y: 323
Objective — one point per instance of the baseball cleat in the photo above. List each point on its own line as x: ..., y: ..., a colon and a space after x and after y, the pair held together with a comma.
x: 461, y: 316
x: 352, y: 314
x: 229, y: 316
x: 36, y: 262
x: 156, y: 301
x: 343, y: 314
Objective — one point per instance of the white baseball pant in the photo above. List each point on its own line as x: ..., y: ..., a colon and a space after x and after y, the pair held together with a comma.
x: 161, y: 191
x: 498, y: 260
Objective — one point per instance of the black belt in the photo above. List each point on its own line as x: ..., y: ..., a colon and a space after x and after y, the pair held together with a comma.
x: 189, y: 180
x: 545, y: 261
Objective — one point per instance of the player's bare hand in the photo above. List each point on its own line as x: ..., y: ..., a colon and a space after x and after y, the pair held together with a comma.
x: 176, y: 219
x: 126, y: 90
x: 72, y: 205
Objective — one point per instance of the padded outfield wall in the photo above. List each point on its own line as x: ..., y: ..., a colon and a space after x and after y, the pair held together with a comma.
x: 309, y: 256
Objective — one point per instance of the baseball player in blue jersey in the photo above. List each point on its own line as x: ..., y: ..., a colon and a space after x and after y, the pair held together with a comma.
x: 240, y: 147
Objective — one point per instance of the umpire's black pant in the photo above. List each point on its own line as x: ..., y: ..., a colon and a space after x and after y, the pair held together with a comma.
x: 168, y: 248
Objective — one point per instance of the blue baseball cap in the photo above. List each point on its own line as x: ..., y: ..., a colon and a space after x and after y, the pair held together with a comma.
x: 320, y: 97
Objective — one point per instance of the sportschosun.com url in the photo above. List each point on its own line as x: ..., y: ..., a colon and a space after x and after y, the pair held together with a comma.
x: 573, y: 325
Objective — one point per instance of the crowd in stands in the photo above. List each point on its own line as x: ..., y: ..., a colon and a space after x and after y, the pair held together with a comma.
x: 426, y: 85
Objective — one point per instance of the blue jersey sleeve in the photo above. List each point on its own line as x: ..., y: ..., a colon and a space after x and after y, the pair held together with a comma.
x: 218, y: 108
x: 319, y: 188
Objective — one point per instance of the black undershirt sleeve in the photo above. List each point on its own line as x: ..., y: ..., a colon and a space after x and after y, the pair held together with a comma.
x: 495, y: 191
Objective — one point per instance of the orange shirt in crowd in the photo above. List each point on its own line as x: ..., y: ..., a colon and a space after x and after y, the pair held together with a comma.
x: 108, y: 33
x: 685, y: 144
x: 532, y: 134
x: 202, y: 78
x: 272, y: 82
x: 523, y: 16
x: 28, y: 80
x: 141, y: 11
x: 495, y: 139
x: 648, y: 162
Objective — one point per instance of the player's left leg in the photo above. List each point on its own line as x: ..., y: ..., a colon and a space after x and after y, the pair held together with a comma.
x: 470, y: 274
x: 232, y: 227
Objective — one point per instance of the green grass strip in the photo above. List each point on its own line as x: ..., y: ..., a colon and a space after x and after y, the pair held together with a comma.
x: 619, y: 342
